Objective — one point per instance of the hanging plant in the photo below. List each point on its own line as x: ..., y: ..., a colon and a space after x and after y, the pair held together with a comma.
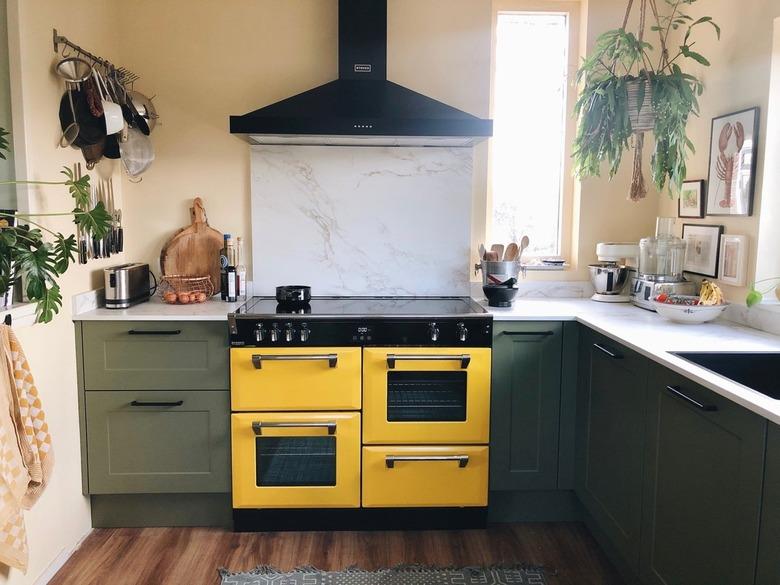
x: 628, y: 90
x: 38, y: 256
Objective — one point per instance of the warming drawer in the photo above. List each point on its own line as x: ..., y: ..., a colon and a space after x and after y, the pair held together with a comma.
x: 432, y: 476
x: 295, y: 378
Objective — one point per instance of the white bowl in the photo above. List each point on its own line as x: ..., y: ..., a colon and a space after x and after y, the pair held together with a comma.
x: 689, y: 313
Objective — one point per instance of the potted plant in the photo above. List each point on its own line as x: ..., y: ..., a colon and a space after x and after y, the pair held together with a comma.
x: 630, y: 87
x: 37, y: 256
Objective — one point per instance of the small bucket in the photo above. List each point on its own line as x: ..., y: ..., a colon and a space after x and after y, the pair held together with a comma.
x: 498, y: 272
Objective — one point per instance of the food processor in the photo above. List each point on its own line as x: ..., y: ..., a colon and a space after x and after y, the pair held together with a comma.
x: 610, y: 275
x: 661, y: 259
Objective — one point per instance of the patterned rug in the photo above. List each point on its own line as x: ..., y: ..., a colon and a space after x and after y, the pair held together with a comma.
x: 408, y: 575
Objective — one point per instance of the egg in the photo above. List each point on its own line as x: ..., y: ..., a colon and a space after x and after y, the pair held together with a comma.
x: 201, y: 297
x: 170, y: 297
x: 184, y: 298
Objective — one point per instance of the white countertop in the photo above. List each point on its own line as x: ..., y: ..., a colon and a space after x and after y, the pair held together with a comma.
x: 157, y: 310
x: 649, y: 334
x: 643, y: 331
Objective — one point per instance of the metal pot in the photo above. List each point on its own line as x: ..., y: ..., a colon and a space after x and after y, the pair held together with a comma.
x: 498, y: 272
x: 608, y: 278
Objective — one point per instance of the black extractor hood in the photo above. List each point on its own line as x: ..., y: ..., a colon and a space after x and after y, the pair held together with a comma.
x: 362, y: 107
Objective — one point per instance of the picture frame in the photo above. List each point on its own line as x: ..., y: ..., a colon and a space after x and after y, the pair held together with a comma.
x: 702, y: 254
x: 690, y: 204
x: 733, y: 259
x: 731, y: 182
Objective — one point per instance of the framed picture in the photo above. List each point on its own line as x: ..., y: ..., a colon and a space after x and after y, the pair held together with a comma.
x: 703, y: 251
x: 732, y: 170
x: 733, y: 259
x: 691, y: 202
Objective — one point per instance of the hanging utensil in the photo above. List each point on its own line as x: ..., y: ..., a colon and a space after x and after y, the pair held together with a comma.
x: 73, y: 69
x: 145, y: 108
x: 82, y: 237
x: 119, y: 236
x: 71, y: 132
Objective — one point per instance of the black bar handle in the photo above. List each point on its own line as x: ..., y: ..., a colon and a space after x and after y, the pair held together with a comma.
x: 154, y: 403
x: 154, y: 332
x: 609, y: 352
x: 701, y: 406
x: 520, y: 333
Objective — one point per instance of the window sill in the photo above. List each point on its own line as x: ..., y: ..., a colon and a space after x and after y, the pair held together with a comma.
x: 546, y: 267
x: 22, y: 314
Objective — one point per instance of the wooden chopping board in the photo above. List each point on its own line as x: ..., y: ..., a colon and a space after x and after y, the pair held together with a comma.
x: 194, y: 250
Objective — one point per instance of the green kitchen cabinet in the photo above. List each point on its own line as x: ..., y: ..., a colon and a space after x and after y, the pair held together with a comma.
x: 163, y: 355
x: 525, y: 405
x: 768, y: 572
x: 158, y: 442
x: 610, y: 429
x: 704, y: 468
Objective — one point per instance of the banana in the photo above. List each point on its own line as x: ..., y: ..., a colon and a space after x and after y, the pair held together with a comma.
x: 710, y: 294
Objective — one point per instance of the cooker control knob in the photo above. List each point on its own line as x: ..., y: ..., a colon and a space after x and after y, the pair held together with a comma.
x: 463, y: 333
x: 259, y: 334
x: 433, y: 329
x: 275, y: 334
x: 288, y: 334
x: 304, y: 334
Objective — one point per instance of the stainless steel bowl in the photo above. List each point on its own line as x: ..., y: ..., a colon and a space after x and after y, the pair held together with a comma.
x: 608, y: 278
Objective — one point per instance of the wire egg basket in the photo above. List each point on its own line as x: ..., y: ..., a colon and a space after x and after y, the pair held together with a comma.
x: 176, y: 289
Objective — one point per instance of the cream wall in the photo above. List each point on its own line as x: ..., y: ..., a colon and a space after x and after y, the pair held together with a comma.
x: 738, y: 79
x: 61, y: 517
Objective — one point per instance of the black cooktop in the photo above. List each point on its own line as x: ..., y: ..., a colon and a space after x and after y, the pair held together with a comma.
x: 371, y: 307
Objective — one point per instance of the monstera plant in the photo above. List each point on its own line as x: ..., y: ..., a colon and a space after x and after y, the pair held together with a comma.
x: 36, y: 256
x: 630, y: 86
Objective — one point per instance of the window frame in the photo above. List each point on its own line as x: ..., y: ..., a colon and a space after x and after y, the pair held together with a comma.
x: 571, y: 8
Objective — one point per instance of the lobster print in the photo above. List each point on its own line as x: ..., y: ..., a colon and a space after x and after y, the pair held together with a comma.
x: 727, y: 161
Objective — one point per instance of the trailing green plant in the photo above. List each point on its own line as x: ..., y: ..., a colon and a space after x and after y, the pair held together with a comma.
x: 38, y: 256
x: 621, y: 59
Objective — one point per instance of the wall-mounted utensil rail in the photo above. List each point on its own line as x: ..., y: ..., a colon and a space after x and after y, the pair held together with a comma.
x: 392, y: 358
x: 331, y: 358
x: 391, y: 460
x: 258, y: 426
x: 123, y: 74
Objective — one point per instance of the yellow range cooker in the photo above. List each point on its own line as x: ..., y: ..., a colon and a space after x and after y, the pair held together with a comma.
x: 360, y: 412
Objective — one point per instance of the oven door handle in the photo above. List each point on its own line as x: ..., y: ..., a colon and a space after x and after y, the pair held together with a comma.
x: 464, y: 359
x: 391, y: 460
x: 331, y: 358
x: 258, y: 426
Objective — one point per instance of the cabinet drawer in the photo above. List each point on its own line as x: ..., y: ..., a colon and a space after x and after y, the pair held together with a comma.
x: 403, y: 477
x: 122, y: 355
x: 295, y: 378
x: 158, y: 441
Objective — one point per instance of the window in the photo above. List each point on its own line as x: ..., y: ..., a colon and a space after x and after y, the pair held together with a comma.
x: 531, y: 110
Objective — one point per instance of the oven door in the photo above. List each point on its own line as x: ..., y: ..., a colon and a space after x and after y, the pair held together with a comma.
x: 296, y: 460
x: 295, y: 378
x: 426, y: 395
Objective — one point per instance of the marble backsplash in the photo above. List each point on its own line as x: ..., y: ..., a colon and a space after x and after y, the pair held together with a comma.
x: 360, y: 220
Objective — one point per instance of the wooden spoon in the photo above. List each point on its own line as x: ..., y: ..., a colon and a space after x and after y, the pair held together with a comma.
x: 498, y: 249
x: 510, y: 253
x: 523, y: 245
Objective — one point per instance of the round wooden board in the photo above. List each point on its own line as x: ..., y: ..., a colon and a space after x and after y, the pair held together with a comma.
x: 194, y: 250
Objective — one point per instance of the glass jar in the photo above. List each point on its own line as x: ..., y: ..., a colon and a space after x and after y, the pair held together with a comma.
x: 661, y: 257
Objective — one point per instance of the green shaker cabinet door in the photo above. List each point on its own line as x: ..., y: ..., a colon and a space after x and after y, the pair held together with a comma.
x: 610, y: 441
x: 525, y: 410
x: 158, y: 442
x: 769, y: 543
x: 166, y: 355
x: 703, y: 482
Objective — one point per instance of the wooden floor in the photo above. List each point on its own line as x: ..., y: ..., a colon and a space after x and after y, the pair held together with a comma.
x: 191, y: 556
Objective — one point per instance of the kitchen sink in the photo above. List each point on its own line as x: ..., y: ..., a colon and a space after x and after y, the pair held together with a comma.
x: 757, y: 371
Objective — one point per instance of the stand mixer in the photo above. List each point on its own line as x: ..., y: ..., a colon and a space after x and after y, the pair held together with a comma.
x: 610, y: 275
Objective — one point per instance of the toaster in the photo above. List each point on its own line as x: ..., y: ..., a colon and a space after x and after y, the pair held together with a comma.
x: 126, y: 285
